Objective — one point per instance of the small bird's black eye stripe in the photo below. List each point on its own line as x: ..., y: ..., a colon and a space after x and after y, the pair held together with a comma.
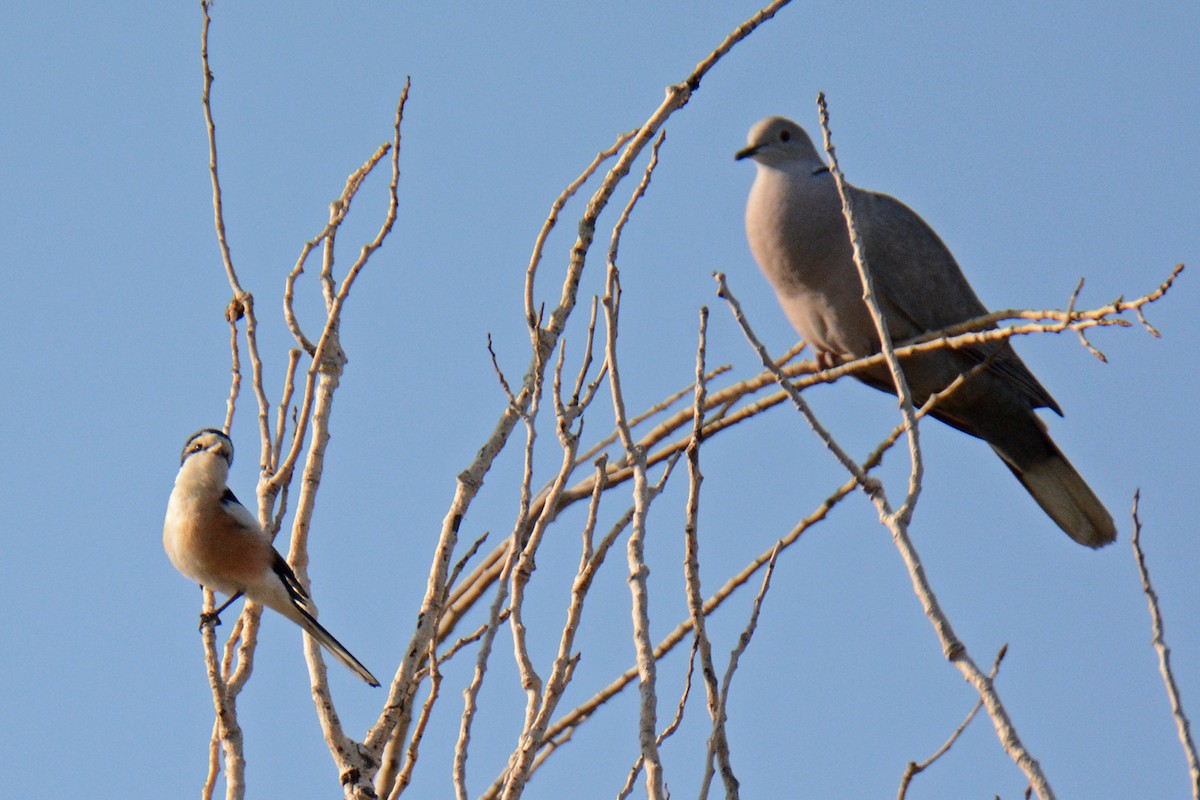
x: 212, y: 439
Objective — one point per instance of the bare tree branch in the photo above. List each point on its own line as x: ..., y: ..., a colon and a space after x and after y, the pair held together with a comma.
x: 638, y: 571
x: 913, y: 769
x: 1164, y: 654
x: 897, y: 522
x: 802, y: 375
x: 717, y: 742
x: 383, y: 764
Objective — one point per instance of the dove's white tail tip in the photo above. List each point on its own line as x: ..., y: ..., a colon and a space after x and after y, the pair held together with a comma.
x: 1069, y: 501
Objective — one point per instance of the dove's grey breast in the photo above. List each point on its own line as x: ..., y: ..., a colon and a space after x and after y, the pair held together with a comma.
x: 798, y: 236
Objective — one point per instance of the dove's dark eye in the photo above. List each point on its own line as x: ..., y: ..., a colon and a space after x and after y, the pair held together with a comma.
x: 785, y: 136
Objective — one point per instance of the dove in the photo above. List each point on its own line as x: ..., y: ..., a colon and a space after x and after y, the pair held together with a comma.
x: 798, y: 236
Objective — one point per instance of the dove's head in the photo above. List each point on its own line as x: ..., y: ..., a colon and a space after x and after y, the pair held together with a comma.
x: 777, y: 141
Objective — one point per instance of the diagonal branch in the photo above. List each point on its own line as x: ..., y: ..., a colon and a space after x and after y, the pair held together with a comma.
x: 897, y: 524
x: 913, y: 769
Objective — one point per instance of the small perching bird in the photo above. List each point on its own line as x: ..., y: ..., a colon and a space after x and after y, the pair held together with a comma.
x: 214, y: 540
x: 799, y: 238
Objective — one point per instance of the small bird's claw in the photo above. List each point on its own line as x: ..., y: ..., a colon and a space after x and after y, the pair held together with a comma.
x: 209, y: 618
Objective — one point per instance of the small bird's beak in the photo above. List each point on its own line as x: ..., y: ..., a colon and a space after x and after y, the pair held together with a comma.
x: 745, y: 153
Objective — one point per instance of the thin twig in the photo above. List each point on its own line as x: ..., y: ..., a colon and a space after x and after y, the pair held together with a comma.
x: 224, y: 700
x: 735, y: 655
x: 1183, y: 727
x: 635, y: 547
x: 869, y: 485
x: 717, y: 745
x: 522, y: 761
x: 913, y: 769
x: 668, y: 731
x: 471, y: 693
x: 410, y: 757
x: 327, y: 356
x: 560, y: 732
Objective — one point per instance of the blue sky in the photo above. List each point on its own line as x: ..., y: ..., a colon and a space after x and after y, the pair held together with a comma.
x: 1044, y: 142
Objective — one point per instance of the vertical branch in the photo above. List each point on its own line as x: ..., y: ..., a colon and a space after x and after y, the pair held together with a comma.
x: 717, y: 744
x: 627, y: 789
x: 533, y: 734
x: 524, y: 546
x: 735, y: 655
x: 527, y: 549
x: 410, y: 760
x: 242, y: 304
x: 471, y: 694
x: 340, y: 745
x: 541, y: 704
x: 638, y: 571
x: 225, y: 703
x: 235, y: 383
x: 224, y: 697
x: 1164, y: 654
x: 356, y: 766
x: 214, y: 763
x: 244, y: 639
x: 289, y: 387
x: 218, y: 209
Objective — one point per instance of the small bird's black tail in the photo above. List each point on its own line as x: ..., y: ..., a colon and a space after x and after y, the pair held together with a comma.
x: 326, y: 640
x: 295, y: 607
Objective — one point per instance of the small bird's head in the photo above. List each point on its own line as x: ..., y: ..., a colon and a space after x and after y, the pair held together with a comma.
x: 775, y: 141
x: 209, y: 441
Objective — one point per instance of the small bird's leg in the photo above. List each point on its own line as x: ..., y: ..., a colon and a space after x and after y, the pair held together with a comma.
x: 214, y: 617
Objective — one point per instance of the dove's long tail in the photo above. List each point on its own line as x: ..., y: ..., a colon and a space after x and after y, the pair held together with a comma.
x: 1066, y: 498
x: 992, y: 408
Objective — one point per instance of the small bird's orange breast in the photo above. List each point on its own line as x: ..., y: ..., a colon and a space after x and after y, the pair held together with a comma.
x: 215, y: 549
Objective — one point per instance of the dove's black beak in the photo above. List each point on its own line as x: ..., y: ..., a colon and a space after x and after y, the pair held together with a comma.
x: 745, y: 153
